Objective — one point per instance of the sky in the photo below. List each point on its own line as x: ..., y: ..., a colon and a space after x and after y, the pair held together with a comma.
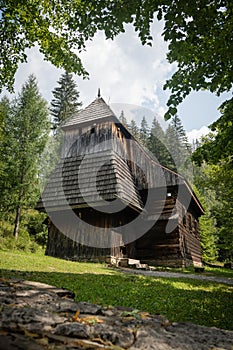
x: 130, y: 76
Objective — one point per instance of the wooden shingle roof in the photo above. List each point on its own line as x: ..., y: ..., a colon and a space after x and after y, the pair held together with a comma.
x: 104, y: 175
x: 96, y: 111
x: 93, y: 179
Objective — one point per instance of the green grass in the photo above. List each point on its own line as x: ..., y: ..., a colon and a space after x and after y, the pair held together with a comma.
x: 179, y: 299
x: 209, y: 271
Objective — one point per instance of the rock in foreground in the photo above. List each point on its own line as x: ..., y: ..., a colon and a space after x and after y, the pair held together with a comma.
x: 36, y: 316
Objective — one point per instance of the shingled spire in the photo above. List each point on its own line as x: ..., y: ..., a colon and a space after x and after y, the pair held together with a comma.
x: 97, y: 110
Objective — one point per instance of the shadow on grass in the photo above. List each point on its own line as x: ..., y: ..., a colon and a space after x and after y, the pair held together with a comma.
x: 181, y: 300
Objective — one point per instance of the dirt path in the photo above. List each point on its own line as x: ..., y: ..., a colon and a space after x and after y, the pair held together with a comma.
x: 178, y: 275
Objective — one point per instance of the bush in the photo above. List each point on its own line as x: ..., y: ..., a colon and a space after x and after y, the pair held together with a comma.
x: 33, y: 220
x: 32, y: 233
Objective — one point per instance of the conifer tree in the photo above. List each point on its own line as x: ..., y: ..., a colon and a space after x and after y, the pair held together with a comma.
x: 144, y: 132
x: 66, y: 100
x: 180, y: 132
x: 157, y: 144
x: 133, y: 128
x: 179, y: 148
x: 174, y: 148
x: 123, y: 119
x: 26, y: 129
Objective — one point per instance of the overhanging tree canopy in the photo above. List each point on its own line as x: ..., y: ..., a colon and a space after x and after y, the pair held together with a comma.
x: 199, y: 35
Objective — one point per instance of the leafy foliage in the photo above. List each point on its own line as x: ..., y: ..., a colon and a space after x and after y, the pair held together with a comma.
x: 50, y: 25
x: 31, y: 239
x: 204, y: 57
x: 217, y: 151
x: 217, y: 146
x: 33, y: 223
x: 219, y: 178
x: 25, y: 132
x: 208, y: 230
x: 61, y: 29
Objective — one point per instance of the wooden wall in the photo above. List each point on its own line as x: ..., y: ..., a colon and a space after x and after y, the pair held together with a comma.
x: 73, y: 245
x: 87, y: 139
x: 146, y: 171
x: 180, y: 247
x: 61, y: 246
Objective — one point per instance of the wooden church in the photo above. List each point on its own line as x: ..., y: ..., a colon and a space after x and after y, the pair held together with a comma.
x: 108, y: 198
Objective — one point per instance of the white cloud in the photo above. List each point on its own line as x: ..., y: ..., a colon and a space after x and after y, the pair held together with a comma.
x: 46, y: 74
x: 124, y: 69
x: 197, y: 133
x: 126, y: 72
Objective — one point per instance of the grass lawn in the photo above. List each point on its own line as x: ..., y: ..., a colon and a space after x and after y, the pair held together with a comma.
x: 209, y: 271
x: 179, y: 299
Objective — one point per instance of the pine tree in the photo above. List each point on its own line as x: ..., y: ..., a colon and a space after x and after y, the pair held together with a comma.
x: 180, y: 132
x: 157, y: 144
x: 26, y: 129
x: 174, y: 148
x: 133, y: 128
x: 123, y: 119
x: 144, y: 132
x: 179, y: 148
x: 65, y: 103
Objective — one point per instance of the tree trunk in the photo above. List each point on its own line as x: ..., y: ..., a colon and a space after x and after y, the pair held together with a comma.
x: 18, y: 209
x: 17, y: 219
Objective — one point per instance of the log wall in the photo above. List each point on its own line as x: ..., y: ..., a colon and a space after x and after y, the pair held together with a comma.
x: 87, y: 140
x: 180, y: 247
x: 61, y: 246
x: 76, y: 242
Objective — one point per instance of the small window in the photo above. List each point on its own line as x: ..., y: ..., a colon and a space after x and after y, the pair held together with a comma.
x: 92, y: 130
x: 184, y: 220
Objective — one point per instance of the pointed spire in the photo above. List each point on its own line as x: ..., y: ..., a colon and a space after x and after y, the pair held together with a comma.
x: 98, y: 93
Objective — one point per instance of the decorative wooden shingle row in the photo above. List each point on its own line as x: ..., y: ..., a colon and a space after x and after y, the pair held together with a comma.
x: 101, y: 160
x: 93, y: 179
x: 98, y: 110
x: 102, y: 167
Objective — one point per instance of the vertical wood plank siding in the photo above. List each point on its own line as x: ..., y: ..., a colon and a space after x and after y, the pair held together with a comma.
x: 114, y: 165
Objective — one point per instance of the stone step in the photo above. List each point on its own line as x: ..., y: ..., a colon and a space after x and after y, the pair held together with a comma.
x: 126, y: 262
x: 133, y: 261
